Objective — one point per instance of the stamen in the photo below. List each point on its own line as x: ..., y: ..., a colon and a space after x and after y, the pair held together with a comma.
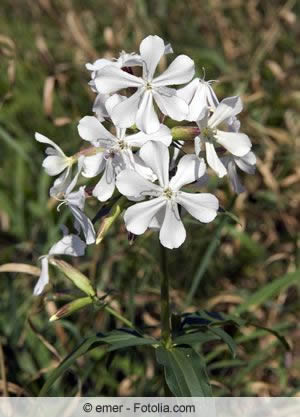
x: 168, y: 193
x: 208, y: 134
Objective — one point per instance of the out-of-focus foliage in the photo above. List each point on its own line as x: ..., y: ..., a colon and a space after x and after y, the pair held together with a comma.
x: 252, y: 48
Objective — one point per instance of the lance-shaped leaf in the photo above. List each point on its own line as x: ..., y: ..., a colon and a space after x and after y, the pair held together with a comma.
x: 71, y: 307
x: 195, y: 337
x: 117, y: 339
x: 226, y: 338
x: 185, y: 371
x: 77, y: 277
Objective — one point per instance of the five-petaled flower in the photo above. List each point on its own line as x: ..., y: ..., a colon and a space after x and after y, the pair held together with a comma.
x: 139, y: 108
x: 161, y: 210
x: 236, y: 143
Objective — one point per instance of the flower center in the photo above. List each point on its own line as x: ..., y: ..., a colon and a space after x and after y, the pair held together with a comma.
x: 109, y: 154
x: 122, y: 144
x: 168, y: 193
x: 208, y: 134
x: 148, y: 85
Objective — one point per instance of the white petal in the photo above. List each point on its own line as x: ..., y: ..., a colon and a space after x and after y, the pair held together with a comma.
x: 113, y: 101
x: 132, y: 184
x: 99, y: 106
x: 69, y: 245
x: 156, y: 156
x: 198, y: 94
x: 189, y: 169
x: 171, y: 105
x: 152, y: 49
x: 246, y: 163
x: 138, y: 217
x: 93, y: 165
x: 129, y: 60
x: 75, y: 179
x: 146, y: 117
x: 187, y: 92
x: 158, y: 219
x: 202, y: 206
x: 180, y: 71
x: 76, y: 198
x: 233, y: 124
x: 44, y: 277
x: 228, y: 107
x: 163, y: 135
x: 54, y: 165
x: 98, y: 64
x: 90, y: 129
x: 214, y: 161
x: 168, y: 49
x: 194, y: 96
x: 234, y: 178
x: 124, y: 114
x: 204, y: 97
x: 85, y: 224
x: 172, y: 233
x: 44, y: 139
x: 202, y: 122
x: 238, y: 144
x: 106, y: 186
x: 198, y: 142
x: 61, y: 183
x: 141, y: 168
x: 112, y: 79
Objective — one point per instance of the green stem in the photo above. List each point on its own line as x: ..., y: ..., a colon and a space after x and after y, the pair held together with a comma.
x: 119, y: 316
x: 165, y: 309
x: 164, y: 300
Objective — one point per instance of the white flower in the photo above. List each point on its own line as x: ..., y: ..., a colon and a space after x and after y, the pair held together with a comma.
x: 238, y: 144
x: 162, y: 208
x: 245, y: 163
x: 124, y: 60
x: 56, y: 163
x: 70, y: 245
x: 117, y: 151
x: 139, y: 107
x: 199, y: 95
x: 75, y: 200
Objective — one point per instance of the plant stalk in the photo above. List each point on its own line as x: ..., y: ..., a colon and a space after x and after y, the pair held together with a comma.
x: 165, y: 300
x: 165, y: 310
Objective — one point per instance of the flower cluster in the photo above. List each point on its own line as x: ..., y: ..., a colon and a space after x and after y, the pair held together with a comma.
x: 138, y: 156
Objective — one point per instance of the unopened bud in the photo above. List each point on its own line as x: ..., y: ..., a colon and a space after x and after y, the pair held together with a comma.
x: 112, y: 216
x: 71, y: 307
x: 77, y: 277
x: 185, y: 132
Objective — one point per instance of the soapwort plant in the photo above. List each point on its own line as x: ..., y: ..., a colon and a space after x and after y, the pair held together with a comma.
x: 133, y: 150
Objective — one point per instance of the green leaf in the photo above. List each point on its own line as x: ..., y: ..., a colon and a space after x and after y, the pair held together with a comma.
x: 80, y: 350
x: 185, y: 372
x: 226, y: 338
x: 269, y: 291
x: 281, y: 338
x: 118, y: 339
x: 195, y: 337
x: 126, y: 338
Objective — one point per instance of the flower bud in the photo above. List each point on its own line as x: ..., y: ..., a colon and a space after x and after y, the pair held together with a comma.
x: 80, y: 280
x: 113, y: 214
x: 69, y: 308
x: 185, y: 132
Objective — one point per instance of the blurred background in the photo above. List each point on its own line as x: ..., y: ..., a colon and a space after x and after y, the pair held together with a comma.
x: 250, y: 267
